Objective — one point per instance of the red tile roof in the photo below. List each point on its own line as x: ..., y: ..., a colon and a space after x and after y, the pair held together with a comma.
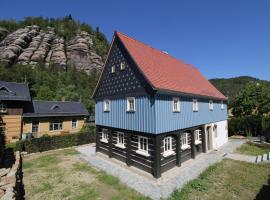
x: 165, y: 72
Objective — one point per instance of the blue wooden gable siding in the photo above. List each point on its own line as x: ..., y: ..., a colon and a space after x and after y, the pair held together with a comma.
x: 167, y: 120
x: 142, y: 120
x: 156, y: 116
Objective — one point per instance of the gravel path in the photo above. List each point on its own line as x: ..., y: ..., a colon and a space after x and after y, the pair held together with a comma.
x: 170, y: 180
x: 241, y: 157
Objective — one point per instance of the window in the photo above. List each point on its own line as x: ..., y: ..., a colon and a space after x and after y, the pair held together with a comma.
x: 143, y: 146
x: 167, y: 146
x: 74, y: 123
x: 195, y: 105
x: 222, y: 105
x: 107, y: 105
x: 122, y: 66
x: 211, y: 105
x: 56, y: 125
x: 130, y: 104
x: 184, y: 141
x: 120, y: 140
x: 176, y: 105
x: 3, y: 108
x: 104, y: 136
x: 35, y: 125
x: 198, y: 136
x: 113, y: 69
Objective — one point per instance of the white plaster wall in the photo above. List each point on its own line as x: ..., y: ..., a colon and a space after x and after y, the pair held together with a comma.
x: 222, y: 134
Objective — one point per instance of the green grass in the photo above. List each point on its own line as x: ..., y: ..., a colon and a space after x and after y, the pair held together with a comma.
x: 86, y: 193
x: 227, y: 180
x: 249, y: 149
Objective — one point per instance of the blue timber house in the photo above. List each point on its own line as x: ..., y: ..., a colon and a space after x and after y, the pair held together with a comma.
x: 153, y: 111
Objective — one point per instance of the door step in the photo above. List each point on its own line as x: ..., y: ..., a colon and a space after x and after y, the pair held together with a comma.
x: 263, y: 158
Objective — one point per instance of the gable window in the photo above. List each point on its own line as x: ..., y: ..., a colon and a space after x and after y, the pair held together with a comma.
x: 113, y: 69
x: 222, y: 105
x: 74, y: 123
x: 107, y: 105
x: 143, y: 146
x: 56, y: 125
x: 198, y: 136
x: 184, y: 141
x: 167, y: 146
x: 104, y: 136
x: 131, y: 104
x: 195, y: 105
x: 120, y: 140
x: 3, y: 108
x: 176, y: 104
x: 122, y: 66
x: 211, y: 105
x: 35, y: 126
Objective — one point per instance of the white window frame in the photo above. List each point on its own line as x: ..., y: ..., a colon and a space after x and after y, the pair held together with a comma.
x: 113, y: 69
x: 128, y: 104
x: 58, y: 123
x: 178, y: 104
x: 195, y: 105
x: 167, y: 146
x: 122, y: 66
x: 211, y: 105
x: 185, y: 145
x: 72, y: 123
x: 222, y: 105
x: 106, y: 105
x: 120, y: 140
x: 104, y: 135
x: 3, y: 108
x: 32, y: 127
x: 197, y: 134
x: 141, y: 150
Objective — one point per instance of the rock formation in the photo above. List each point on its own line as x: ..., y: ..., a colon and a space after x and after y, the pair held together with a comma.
x: 31, y: 45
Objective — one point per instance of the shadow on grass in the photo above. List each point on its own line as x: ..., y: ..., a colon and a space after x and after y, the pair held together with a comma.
x: 264, y: 191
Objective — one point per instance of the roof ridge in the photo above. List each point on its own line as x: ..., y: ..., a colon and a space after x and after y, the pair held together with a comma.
x: 14, y: 82
x: 57, y: 101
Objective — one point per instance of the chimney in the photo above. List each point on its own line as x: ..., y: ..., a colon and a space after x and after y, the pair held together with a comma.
x: 63, y: 99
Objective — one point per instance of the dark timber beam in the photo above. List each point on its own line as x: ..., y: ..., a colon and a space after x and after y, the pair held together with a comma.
x: 97, y: 139
x: 157, y: 156
x: 203, y: 140
x: 193, y: 150
x: 178, y: 149
x: 110, y: 143
x: 128, y: 154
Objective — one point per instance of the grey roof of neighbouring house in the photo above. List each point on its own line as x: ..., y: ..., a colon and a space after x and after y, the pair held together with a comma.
x: 56, y: 108
x: 14, y: 91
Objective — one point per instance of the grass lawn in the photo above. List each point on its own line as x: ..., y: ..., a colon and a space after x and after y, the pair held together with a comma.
x: 62, y: 175
x: 229, y: 179
x: 253, y: 150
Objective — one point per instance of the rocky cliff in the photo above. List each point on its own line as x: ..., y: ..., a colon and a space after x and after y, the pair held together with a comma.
x: 31, y: 45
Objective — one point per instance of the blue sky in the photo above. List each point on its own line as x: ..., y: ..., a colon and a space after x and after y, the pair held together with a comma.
x: 223, y: 38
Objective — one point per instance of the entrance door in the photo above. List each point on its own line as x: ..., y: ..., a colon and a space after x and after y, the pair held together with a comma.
x: 209, y: 138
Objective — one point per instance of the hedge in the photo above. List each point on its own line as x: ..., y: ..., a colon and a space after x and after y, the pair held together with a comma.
x: 46, y: 143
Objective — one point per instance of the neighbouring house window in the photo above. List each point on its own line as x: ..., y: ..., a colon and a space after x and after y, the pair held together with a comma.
x: 107, y: 105
x: 198, y: 136
x: 131, y: 104
x: 74, y: 123
x: 56, y: 125
x: 184, y: 141
x: 35, y: 125
x: 222, y: 105
x: 143, y: 146
x: 195, y: 105
x: 113, y: 69
x: 3, y: 108
x: 176, y: 104
x: 122, y: 66
x: 120, y: 140
x: 104, y: 136
x: 211, y: 105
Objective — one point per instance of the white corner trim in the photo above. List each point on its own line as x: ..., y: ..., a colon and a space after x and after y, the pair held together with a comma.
x: 143, y: 153
x: 122, y: 146
x: 168, y: 153
x: 184, y: 147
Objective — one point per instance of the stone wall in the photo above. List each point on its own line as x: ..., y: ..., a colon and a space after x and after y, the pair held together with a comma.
x: 11, y: 184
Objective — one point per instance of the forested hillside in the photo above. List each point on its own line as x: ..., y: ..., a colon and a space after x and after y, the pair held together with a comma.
x: 231, y: 87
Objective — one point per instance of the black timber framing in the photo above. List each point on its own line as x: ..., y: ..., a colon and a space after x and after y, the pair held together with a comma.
x: 153, y: 163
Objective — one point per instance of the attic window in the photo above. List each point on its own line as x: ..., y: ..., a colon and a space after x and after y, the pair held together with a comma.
x: 195, y: 105
x: 211, y: 105
x: 122, y: 66
x: 55, y: 107
x: 113, y: 69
